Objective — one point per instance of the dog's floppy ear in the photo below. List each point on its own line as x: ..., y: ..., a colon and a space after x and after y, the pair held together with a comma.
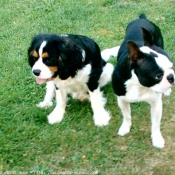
x: 71, y: 58
x: 70, y: 50
x: 147, y: 37
x: 133, y: 51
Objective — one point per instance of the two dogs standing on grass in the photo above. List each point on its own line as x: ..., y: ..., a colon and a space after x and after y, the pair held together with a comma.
x: 73, y: 64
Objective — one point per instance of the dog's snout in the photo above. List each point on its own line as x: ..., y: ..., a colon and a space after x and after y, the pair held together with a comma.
x: 36, y: 72
x: 170, y: 78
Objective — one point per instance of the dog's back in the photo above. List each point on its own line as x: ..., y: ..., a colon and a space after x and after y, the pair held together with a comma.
x: 139, y: 31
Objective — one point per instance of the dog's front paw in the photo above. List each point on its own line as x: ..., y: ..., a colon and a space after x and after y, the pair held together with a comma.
x: 45, y: 104
x: 101, y: 118
x: 124, y: 128
x: 168, y: 92
x: 158, y: 140
x: 55, y: 117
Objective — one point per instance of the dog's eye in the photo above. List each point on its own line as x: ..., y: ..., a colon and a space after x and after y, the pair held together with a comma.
x: 48, y: 61
x: 159, y: 77
x: 34, y: 58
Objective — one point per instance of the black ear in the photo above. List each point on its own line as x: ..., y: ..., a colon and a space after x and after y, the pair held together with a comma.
x: 147, y: 37
x: 63, y: 70
x: 71, y: 58
x: 133, y: 51
x: 71, y: 51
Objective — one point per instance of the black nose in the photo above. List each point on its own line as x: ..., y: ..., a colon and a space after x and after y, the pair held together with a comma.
x: 36, y: 72
x: 170, y: 78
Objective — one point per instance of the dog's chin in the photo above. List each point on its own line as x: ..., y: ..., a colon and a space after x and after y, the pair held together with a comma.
x: 159, y: 89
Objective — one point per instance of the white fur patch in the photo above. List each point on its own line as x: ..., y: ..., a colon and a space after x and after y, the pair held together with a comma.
x: 126, y: 111
x: 57, y: 114
x: 168, y: 92
x: 101, y: 116
x: 64, y: 35
x: 45, y: 71
x: 157, y: 140
x: 124, y: 128
x: 50, y: 93
x: 76, y: 86
x: 106, y: 74
x: 107, y: 53
x: 43, y: 44
x: 83, y: 55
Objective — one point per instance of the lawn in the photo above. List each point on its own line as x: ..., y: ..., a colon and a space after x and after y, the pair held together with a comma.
x: 28, y: 144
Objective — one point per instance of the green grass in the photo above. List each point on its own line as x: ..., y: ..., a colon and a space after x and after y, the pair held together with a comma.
x: 28, y: 144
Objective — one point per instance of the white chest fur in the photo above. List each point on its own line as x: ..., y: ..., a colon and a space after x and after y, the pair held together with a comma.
x: 135, y: 92
x: 76, y: 86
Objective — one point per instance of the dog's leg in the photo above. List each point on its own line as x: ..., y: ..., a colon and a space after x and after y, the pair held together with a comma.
x: 50, y: 93
x: 58, y: 113
x: 126, y: 111
x: 101, y: 116
x: 156, y: 114
x: 106, y: 74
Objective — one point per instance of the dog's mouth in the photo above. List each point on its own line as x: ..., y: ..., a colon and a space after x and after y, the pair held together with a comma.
x: 42, y: 80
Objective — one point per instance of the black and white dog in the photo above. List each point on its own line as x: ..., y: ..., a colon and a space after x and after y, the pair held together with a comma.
x: 143, y: 73
x: 70, y: 64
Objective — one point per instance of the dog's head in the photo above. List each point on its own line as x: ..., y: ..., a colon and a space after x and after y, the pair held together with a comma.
x: 153, y: 69
x: 51, y: 55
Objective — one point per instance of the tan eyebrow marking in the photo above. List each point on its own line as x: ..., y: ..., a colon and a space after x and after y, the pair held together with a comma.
x: 35, y: 54
x: 45, y: 55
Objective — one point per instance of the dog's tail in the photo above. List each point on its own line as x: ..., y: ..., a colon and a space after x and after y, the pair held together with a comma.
x: 107, y: 53
x: 142, y: 16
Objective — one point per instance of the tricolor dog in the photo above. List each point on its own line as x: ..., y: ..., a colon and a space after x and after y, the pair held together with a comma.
x: 70, y: 64
x: 143, y: 73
